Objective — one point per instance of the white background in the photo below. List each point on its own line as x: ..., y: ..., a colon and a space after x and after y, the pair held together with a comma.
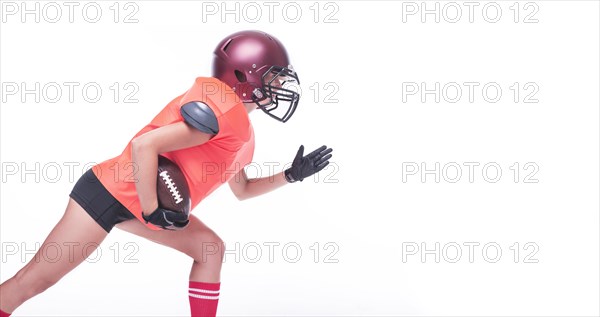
x: 370, y: 212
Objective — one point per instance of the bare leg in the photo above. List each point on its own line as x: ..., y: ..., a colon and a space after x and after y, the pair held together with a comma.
x: 197, y: 241
x: 77, y: 235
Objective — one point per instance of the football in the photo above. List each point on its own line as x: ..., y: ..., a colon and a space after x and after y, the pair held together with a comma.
x: 171, y: 187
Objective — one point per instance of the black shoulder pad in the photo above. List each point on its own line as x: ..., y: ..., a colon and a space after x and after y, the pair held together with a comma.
x: 200, y: 116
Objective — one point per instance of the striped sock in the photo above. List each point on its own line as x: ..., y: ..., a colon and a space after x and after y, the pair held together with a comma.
x: 204, y: 298
x: 3, y: 314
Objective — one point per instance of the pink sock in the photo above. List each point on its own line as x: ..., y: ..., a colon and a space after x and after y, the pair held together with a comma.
x: 3, y: 314
x: 204, y: 298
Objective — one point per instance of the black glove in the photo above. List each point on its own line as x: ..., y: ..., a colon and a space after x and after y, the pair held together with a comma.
x: 305, y: 166
x: 167, y: 219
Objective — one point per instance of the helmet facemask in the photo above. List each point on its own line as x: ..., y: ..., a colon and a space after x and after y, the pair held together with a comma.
x: 278, y: 97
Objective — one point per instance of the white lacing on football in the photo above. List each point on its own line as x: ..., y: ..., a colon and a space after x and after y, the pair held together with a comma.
x: 171, y: 186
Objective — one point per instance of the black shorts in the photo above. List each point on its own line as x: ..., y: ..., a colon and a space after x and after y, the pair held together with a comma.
x: 93, y: 197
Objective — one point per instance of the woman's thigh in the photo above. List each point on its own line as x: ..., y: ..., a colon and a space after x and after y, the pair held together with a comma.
x: 70, y: 242
x: 196, y: 240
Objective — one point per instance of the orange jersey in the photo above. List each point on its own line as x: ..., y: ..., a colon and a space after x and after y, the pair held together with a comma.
x: 205, y: 166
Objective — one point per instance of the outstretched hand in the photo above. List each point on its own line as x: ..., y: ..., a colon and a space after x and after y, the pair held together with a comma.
x: 306, y: 165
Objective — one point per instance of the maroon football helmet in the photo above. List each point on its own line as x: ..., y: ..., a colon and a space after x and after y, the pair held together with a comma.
x: 256, y: 65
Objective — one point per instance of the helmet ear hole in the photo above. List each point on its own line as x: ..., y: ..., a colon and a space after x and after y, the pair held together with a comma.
x: 241, y: 77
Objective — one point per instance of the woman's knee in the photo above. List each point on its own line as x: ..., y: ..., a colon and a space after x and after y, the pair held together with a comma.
x: 208, y: 247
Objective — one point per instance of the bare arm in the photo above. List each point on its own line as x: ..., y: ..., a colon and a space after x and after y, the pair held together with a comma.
x: 145, y: 150
x: 244, y: 188
x: 302, y: 166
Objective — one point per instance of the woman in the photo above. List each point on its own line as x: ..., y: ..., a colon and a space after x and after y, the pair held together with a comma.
x: 205, y: 129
